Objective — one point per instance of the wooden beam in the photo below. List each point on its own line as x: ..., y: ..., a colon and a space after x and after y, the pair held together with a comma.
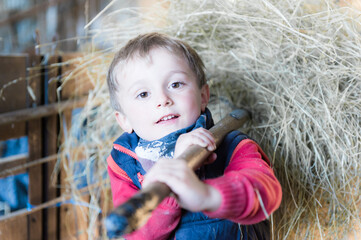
x: 50, y: 141
x: 41, y: 111
x: 52, y: 203
x: 12, y: 163
x: 12, y: 92
x: 21, y: 164
x: 35, y: 136
x: 33, y: 11
x: 35, y: 209
x: 13, y: 97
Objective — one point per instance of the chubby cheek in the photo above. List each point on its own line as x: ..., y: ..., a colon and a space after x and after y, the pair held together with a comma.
x: 193, y: 107
x: 137, y: 115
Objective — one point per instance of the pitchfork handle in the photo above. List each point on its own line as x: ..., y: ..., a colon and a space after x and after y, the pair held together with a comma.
x: 135, y: 212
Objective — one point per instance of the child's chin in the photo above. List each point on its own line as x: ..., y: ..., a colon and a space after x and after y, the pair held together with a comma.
x: 161, y: 134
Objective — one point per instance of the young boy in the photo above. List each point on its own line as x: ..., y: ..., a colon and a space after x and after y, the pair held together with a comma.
x: 159, y: 92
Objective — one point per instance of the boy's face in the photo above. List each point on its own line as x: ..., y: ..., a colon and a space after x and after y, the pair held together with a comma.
x: 159, y: 95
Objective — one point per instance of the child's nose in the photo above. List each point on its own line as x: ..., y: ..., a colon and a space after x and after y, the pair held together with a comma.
x: 164, y: 100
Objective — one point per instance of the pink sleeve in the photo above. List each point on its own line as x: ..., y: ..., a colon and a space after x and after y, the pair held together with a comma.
x: 249, y: 189
x: 163, y: 220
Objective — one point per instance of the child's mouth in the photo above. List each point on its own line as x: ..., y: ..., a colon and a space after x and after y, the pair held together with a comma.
x: 167, y: 118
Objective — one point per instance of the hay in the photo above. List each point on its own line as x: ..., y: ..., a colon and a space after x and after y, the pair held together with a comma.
x: 295, y: 65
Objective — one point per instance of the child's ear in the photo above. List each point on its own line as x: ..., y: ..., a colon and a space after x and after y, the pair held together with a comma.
x: 204, y: 97
x: 123, y: 122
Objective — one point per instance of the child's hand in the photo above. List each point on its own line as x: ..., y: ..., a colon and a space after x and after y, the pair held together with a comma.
x: 191, y: 193
x: 199, y: 136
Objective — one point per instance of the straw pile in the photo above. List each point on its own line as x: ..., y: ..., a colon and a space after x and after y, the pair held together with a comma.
x: 293, y: 64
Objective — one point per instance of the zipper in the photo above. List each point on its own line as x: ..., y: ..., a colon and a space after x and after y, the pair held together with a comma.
x: 125, y: 150
x: 117, y: 169
x: 120, y: 171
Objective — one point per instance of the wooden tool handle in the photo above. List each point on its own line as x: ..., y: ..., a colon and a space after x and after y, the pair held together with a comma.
x: 135, y: 212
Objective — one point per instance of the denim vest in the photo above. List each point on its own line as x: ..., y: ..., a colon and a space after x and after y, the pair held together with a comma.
x: 196, y: 225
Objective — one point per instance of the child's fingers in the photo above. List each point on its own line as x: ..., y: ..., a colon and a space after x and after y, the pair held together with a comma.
x: 203, y: 138
x: 200, y: 137
x: 176, y: 174
x: 167, y: 167
x: 210, y: 139
x: 161, y: 168
x: 211, y: 158
x: 190, y: 192
x: 204, y: 133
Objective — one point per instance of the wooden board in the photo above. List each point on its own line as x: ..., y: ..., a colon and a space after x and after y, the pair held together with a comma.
x: 12, y: 162
x: 13, y: 70
x: 15, y: 228
x: 77, y: 83
x: 69, y: 221
x: 13, y: 96
x: 35, y: 221
x: 51, y: 132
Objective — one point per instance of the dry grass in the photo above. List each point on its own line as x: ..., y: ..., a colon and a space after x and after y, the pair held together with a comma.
x: 295, y: 65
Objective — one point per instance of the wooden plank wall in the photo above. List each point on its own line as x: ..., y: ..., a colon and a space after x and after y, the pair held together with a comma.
x: 13, y: 98
x: 44, y: 220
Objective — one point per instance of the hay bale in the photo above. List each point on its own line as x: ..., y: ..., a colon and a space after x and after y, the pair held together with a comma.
x: 296, y: 66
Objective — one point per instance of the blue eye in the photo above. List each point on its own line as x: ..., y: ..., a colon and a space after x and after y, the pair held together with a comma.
x: 143, y: 95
